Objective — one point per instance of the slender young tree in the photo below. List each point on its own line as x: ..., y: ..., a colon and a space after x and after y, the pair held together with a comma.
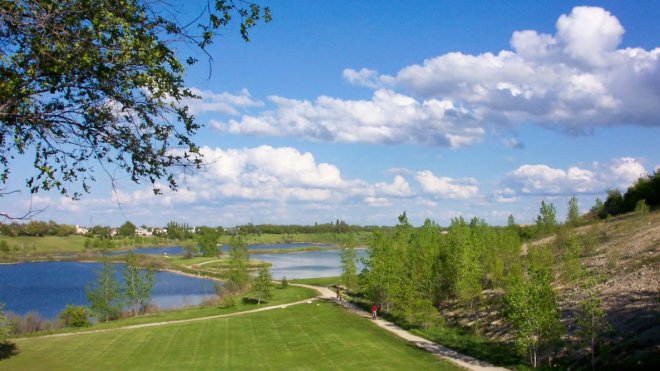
x: 138, y: 283
x: 263, y: 285
x: 104, y: 296
x: 511, y: 222
x: 573, y: 217
x: 591, y: 317
x: 546, y: 222
x: 532, y: 307
x: 238, y: 263
x: 348, y: 257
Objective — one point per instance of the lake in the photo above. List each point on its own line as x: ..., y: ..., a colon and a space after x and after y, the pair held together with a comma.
x: 48, y: 287
x: 308, y: 264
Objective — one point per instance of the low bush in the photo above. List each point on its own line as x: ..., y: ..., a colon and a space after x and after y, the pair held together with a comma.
x: 75, y: 316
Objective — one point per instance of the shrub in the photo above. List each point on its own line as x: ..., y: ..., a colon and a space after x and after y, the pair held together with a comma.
x: 229, y: 301
x: 4, y: 328
x: 284, y: 283
x: 75, y: 316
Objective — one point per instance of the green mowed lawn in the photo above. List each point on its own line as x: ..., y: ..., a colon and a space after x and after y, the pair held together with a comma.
x: 301, y: 337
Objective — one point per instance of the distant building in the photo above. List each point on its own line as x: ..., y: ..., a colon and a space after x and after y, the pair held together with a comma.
x: 81, y: 230
x: 143, y: 232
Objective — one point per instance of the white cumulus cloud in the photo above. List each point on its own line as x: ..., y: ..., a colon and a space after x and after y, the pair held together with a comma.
x: 280, y: 175
x: 540, y: 179
x: 576, y: 79
x: 445, y: 187
x: 389, y: 117
x: 224, y: 103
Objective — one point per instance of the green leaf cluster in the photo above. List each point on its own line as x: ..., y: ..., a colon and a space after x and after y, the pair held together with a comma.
x: 263, y: 285
x: 75, y: 316
x: 409, y: 269
x: 87, y: 82
x: 532, y: 306
x: 239, y: 259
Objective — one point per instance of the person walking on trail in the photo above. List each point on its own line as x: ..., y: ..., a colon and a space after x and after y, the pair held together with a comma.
x: 338, y: 293
x: 374, y: 312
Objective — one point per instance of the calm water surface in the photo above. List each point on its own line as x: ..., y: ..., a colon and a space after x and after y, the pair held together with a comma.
x: 308, y: 264
x: 49, y: 286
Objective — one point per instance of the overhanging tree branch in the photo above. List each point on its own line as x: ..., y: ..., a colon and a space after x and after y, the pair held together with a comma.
x: 99, y: 81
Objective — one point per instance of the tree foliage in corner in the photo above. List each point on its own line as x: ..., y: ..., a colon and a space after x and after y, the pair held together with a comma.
x: 87, y: 82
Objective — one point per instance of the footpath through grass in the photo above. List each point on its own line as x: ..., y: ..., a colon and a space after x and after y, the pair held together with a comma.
x: 246, y: 303
x: 302, y: 337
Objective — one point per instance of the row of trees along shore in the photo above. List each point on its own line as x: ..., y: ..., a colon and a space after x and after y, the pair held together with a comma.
x: 175, y: 230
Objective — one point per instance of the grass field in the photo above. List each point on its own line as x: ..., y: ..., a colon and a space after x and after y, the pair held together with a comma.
x: 22, y: 245
x: 301, y: 337
x: 280, y: 296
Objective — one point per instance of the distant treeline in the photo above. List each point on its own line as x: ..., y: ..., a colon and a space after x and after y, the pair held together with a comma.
x: 36, y: 228
x: 175, y: 230
x: 646, y: 189
x: 339, y: 226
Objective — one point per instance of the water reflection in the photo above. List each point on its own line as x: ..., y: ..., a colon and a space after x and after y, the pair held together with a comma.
x: 307, y: 264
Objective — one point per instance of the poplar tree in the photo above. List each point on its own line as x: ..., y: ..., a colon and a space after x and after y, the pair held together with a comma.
x: 348, y: 258
x: 573, y: 217
x: 591, y: 317
x: 546, y: 221
x: 138, y: 283
x: 263, y: 284
x: 239, y: 259
x: 532, y: 307
x: 104, y: 296
x: 379, y: 280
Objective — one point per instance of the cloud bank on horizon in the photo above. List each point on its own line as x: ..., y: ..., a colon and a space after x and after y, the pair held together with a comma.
x: 574, y: 82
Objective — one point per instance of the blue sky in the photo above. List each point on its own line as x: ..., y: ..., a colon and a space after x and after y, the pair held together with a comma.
x: 362, y: 110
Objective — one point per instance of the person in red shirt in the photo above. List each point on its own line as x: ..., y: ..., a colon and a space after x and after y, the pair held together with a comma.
x: 374, y: 311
